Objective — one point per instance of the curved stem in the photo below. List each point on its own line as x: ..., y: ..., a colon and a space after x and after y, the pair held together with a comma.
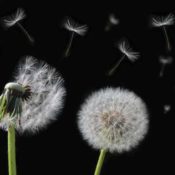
x: 11, y: 151
x: 100, y: 162
x: 111, y: 71
x: 69, y: 45
x: 167, y: 39
x: 25, y: 32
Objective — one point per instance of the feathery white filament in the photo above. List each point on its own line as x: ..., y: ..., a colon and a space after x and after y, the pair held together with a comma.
x: 113, y: 119
x: 126, y: 50
x: 163, y: 20
x: 75, y: 27
x: 13, y: 19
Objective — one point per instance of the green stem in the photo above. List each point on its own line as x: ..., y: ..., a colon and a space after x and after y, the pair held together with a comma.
x: 69, y: 45
x: 25, y: 32
x: 100, y: 162
x: 162, y: 70
x: 111, y: 71
x: 167, y: 39
x: 11, y: 151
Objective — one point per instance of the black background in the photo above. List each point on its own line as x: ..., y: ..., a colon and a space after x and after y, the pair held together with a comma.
x: 60, y: 149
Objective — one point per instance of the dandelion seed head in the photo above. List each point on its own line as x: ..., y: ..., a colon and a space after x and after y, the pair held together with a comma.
x: 46, y: 96
x: 14, y: 18
x: 113, y: 119
x: 127, y: 51
x: 71, y: 25
x: 165, y: 60
x: 160, y: 21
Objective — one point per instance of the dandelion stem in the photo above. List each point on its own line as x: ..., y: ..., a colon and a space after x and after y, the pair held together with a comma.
x: 108, y: 26
x: 167, y: 38
x: 69, y: 45
x: 11, y: 151
x: 162, y: 70
x: 100, y: 162
x: 111, y: 71
x: 25, y: 32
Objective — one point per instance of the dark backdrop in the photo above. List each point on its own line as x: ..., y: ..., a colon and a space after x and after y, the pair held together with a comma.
x: 59, y: 149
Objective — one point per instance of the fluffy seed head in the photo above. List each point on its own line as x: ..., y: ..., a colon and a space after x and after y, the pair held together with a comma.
x: 70, y: 25
x: 14, y: 18
x: 113, y: 119
x: 42, y: 93
x: 126, y: 50
x: 160, y: 21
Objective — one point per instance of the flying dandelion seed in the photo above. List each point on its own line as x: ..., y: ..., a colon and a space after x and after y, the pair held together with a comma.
x: 163, y: 22
x: 30, y: 102
x: 73, y: 27
x: 112, y: 21
x: 114, y: 120
x: 166, y: 108
x: 124, y: 47
x: 15, y: 19
x: 164, y: 61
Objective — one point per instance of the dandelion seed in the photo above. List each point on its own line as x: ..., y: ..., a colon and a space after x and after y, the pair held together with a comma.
x: 114, y: 120
x: 124, y: 47
x: 73, y: 27
x: 166, y: 108
x: 112, y: 21
x: 30, y: 102
x: 163, y: 22
x: 15, y: 19
x: 164, y: 61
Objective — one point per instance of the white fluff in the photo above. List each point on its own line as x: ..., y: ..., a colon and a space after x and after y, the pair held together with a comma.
x: 160, y: 21
x: 113, y: 20
x: 15, y: 18
x: 127, y: 50
x: 114, y: 119
x: 47, y: 94
x: 75, y: 27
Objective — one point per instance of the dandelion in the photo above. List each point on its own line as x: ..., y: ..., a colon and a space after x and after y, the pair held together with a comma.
x: 31, y: 102
x: 14, y: 20
x: 166, y: 108
x: 124, y: 47
x: 74, y: 28
x: 164, y: 21
x: 164, y: 61
x: 113, y: 120
x: 112, y: 21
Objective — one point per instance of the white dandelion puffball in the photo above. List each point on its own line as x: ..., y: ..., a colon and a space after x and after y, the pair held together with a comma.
x: 36, y: 94
x: 113, y: 119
